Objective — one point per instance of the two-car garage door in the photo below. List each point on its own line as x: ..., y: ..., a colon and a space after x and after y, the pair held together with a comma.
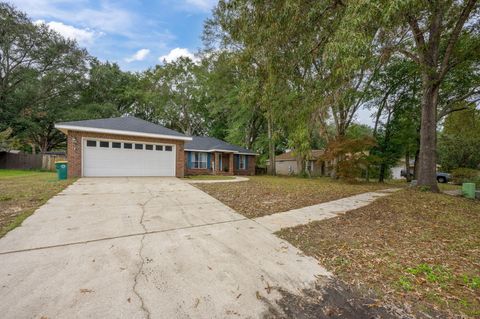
x: 127, y: 158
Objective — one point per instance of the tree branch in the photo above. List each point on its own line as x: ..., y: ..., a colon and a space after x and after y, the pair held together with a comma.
x: 454, y: 37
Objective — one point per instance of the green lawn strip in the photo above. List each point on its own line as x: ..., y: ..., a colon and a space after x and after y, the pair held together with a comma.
x: 209, y: 177
x: 22, y: 192
x: 412, y: 247
x: 8, y: 173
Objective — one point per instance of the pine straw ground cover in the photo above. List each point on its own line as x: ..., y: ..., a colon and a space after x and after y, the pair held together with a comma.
x: 416, y: 249
x: 265, y: 195
x: 21, y: 192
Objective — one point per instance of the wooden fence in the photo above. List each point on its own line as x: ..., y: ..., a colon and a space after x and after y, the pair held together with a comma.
x: 30, y: 161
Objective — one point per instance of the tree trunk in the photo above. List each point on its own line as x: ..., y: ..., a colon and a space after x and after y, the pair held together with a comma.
x: 415, y: 164
x: 407, y: 166
x: 381, y: 174
x: 271, y: 147
x: 427, y: 169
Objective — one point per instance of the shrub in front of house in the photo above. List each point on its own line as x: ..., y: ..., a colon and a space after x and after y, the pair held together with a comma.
x: 466, y: 175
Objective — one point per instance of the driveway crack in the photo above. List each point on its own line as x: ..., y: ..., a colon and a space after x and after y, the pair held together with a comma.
x: 142, y: 259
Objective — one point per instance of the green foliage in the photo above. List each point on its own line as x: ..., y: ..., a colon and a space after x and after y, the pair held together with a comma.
x: 350, y: 157
x: 472, y: 282
x: 465, y: 175
x: 459, y: 141
x: 405, y: 283
x: 7, y: 142
x: 41, y: 77
x: 434, y: 274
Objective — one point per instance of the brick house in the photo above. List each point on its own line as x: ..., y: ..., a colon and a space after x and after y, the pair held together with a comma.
x: 208, y: 155
x: 128, y: 146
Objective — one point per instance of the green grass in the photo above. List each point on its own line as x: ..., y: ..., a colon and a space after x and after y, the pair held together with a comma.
x: 209, y: 177
x: 6, y: 173
x: 22, y: 192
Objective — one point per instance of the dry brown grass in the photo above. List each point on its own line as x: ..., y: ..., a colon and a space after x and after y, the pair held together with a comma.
x: 265, y: 195
x: 412, y: 247
x: 21, y: 192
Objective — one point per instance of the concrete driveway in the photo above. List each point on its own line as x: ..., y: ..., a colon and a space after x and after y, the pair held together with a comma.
x: 145, y: 248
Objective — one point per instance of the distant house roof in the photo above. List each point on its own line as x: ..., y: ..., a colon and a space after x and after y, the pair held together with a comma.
x: 290, y: 156
x: 210, y: 144
x: 127, y: 125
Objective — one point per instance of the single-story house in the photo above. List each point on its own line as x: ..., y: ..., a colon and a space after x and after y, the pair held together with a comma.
x: 128, y: 146
x: 286, y: 164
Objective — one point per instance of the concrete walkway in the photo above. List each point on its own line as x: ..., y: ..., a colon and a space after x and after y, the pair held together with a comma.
x: 145, y: 248
x: 308, y: 214
x: 236, y: 179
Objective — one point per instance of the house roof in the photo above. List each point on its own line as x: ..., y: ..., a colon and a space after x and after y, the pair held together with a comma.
x: 126, y: 125
x: 210, y: 144
x: 290, y: 156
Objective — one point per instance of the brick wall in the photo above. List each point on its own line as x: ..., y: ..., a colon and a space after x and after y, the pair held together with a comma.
x: 228, y: 162
x: 74, y: 149
x: 251, y: 167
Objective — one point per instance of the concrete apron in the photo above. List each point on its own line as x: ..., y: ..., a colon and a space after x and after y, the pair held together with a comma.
x: 145, y: 248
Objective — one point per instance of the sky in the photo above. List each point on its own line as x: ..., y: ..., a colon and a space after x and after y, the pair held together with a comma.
x: 135, y: 34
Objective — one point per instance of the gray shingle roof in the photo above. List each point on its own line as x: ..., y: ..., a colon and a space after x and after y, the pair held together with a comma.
x: 126, y: 123
x: 204, y: 143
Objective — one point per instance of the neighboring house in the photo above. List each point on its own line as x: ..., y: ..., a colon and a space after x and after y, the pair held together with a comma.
x: 128, y: 146
x: 399, y: 167
x: 286, y: 164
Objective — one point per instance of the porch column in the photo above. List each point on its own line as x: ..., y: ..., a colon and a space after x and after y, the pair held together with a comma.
x: 230, y: 165
x: 217, y: 162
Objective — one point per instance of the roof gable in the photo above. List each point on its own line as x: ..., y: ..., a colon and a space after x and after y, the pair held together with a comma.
x: 127, y: 125
x: 205, y: 143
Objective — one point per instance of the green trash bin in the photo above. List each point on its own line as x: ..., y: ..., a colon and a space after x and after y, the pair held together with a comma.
x: 62, y: 169
x: 468, y: 190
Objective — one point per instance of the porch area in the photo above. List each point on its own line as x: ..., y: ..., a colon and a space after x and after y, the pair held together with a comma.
x: 212, y: 163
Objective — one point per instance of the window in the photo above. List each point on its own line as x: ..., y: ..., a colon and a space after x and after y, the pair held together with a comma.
x: 199, y: 160
x: 127, y: 145
x: 242, y: 162
x: 159, y: 147
x: 104, y: 144
x: 168, y: 148
x: 139, y: 146
x: 116, y: 145
x: 92, y: 143
x: 149, y: 147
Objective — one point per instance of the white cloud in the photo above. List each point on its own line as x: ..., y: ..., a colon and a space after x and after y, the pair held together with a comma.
x: 205, y: 5
x: 106, y: 16
x: 176, y: 53
x: 139, y: 55
x: 84, y: 37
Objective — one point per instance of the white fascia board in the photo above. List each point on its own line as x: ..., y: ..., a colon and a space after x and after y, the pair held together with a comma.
x: 64, y: 128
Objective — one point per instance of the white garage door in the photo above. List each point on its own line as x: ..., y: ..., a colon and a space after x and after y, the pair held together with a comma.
x: 127, y: 158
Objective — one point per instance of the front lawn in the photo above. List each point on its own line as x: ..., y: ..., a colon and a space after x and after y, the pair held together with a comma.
x: 265, y: 195
x: 21, y: 192
x: 415, y: 248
